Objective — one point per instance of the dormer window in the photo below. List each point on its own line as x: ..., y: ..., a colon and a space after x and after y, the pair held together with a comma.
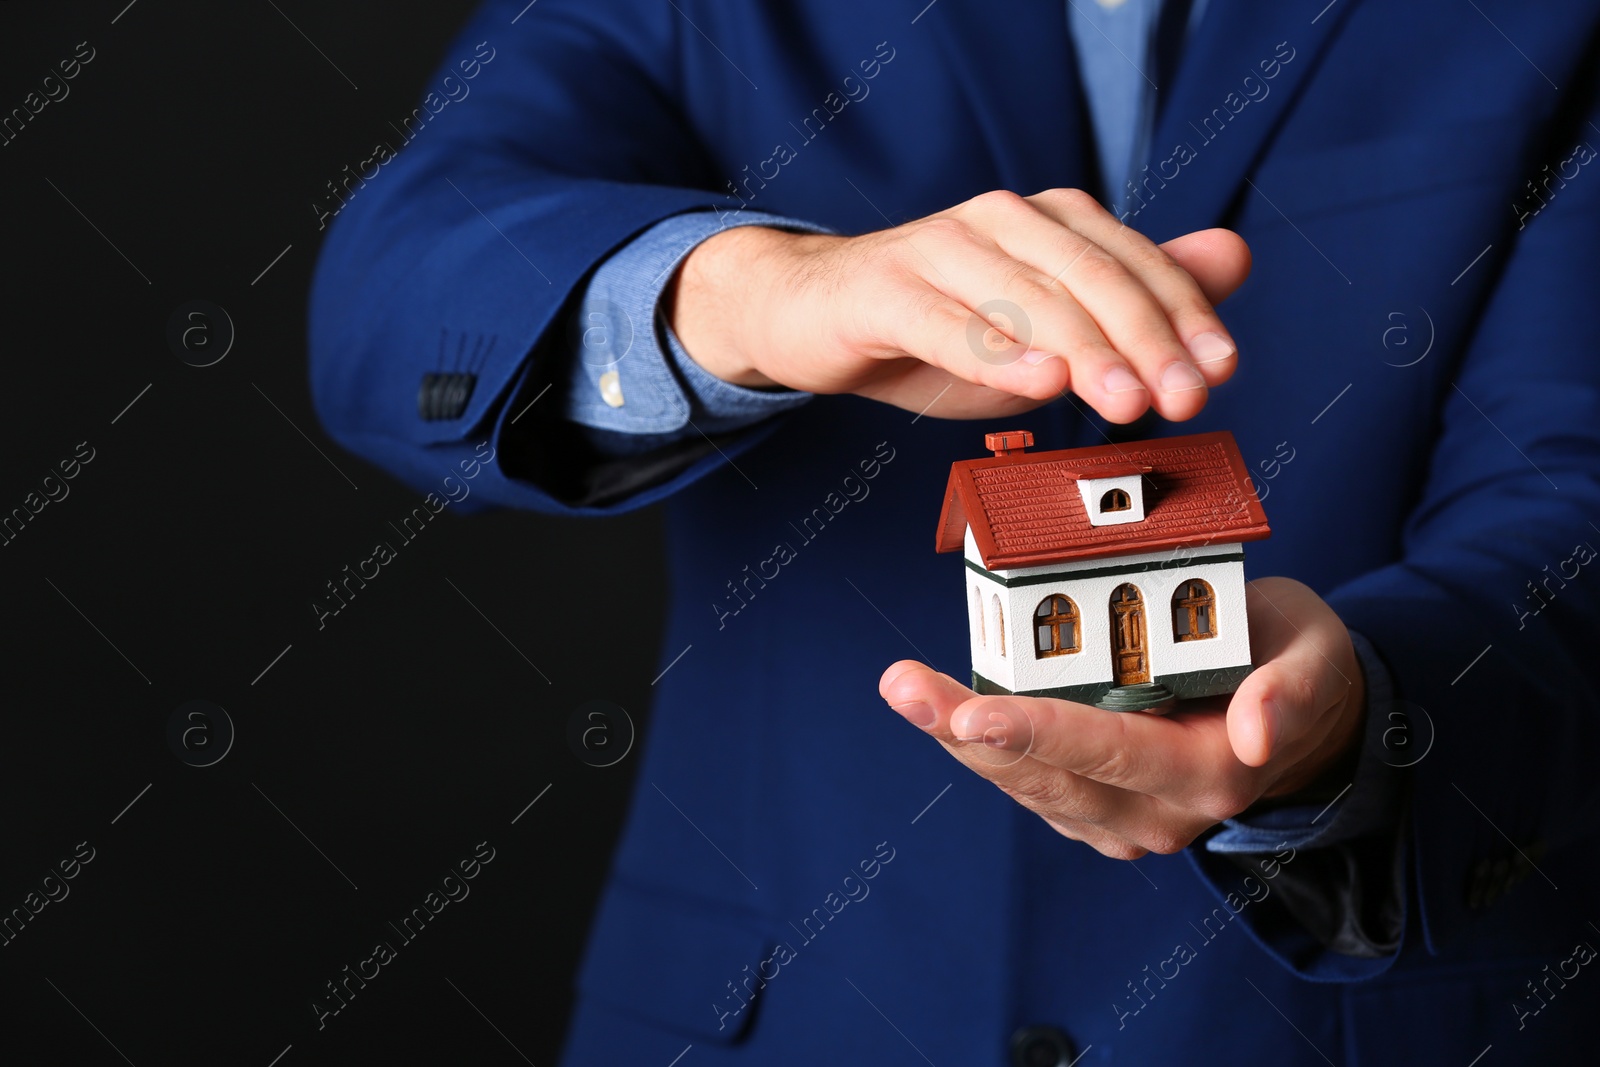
x: 1112, y: 493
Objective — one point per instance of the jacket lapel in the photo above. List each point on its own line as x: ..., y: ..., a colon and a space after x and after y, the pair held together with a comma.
x: 1222, y: 109
x: 1014, y: 62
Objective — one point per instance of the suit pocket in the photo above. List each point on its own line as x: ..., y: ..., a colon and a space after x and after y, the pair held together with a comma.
x: 675, y: 962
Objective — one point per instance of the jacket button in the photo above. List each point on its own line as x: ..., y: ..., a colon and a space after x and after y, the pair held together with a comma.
x: 1491, y: 879
x: 444, y: 396
x: 1041, y: 1046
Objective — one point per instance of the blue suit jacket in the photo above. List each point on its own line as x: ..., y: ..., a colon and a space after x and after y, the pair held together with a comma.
x: 1418, y: 330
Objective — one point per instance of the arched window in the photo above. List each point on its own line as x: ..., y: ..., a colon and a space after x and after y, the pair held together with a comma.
x: 999, y: 626
x: 1055, y: 626
x: 1115, y: 500
x: 977, y: 615
x: 1194, y: 611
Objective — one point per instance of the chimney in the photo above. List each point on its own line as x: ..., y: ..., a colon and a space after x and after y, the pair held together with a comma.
x: 1008, y: 442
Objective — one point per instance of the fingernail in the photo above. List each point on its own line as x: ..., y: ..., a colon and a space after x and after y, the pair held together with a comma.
x: 1035, y: 356
x: 1210, y: 348
x: 916, y: 713
x: 1271, y: 723
x: 1120, y: 379
x: 1180, y: 377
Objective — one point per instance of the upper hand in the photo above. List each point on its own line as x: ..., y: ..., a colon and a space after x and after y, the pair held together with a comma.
x: 1128, y: 783
x: 895, y: 315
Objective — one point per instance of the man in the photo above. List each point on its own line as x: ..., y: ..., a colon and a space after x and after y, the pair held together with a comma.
x: 645, y: 208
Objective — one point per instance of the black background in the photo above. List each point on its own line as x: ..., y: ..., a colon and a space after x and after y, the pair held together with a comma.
x: 377, y: 752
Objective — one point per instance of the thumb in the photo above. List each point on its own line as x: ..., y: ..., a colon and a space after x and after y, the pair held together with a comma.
x: 1307, y: 665
x: 1257, y: 718
x: 1219, y: 260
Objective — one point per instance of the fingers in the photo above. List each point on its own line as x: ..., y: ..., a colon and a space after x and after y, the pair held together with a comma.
x: 1184, y: 760
x: 923, y: 389
x: 992, y: 736
x: 1218, y: 260
x: 1057, y: 275
x: 1146, y: 753
x: 1030, y: 319
x: 1146, y: 777
x: 1182, y: 304
x: 992, y: 351
x: 1183, y: 299
x: 1148, y: 307
x: 923, y: 696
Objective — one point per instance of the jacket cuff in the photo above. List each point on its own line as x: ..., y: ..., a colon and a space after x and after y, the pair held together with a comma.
x: 1336, y: 874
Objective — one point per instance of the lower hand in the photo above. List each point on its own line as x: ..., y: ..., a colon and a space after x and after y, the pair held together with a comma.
x: 1128, y: 783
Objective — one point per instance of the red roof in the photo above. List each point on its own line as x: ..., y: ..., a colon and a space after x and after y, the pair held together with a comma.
x: 1025, y: 509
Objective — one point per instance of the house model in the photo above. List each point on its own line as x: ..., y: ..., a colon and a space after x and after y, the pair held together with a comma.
x: 1111, y: 575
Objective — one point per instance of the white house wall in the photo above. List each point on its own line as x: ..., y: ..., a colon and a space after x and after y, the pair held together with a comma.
x: 986, y: 658
x: 1021, y: 671
x: 1229, y: 648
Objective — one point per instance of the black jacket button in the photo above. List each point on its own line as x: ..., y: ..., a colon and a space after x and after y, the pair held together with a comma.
x: 444, y: 396
x: 1041, y: 1046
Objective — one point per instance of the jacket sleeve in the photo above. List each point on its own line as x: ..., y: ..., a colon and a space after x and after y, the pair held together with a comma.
x: 1489, y: 622
x: 548, y: 140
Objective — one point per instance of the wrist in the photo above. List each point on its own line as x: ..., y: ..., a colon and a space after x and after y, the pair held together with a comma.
x: 721, y: 300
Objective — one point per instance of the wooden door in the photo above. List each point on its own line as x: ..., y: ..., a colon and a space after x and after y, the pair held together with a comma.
x: 1129, y: 664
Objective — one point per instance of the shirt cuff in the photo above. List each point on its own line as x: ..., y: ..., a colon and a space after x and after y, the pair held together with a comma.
x: 630, y: 373
x: 1368, y: 806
